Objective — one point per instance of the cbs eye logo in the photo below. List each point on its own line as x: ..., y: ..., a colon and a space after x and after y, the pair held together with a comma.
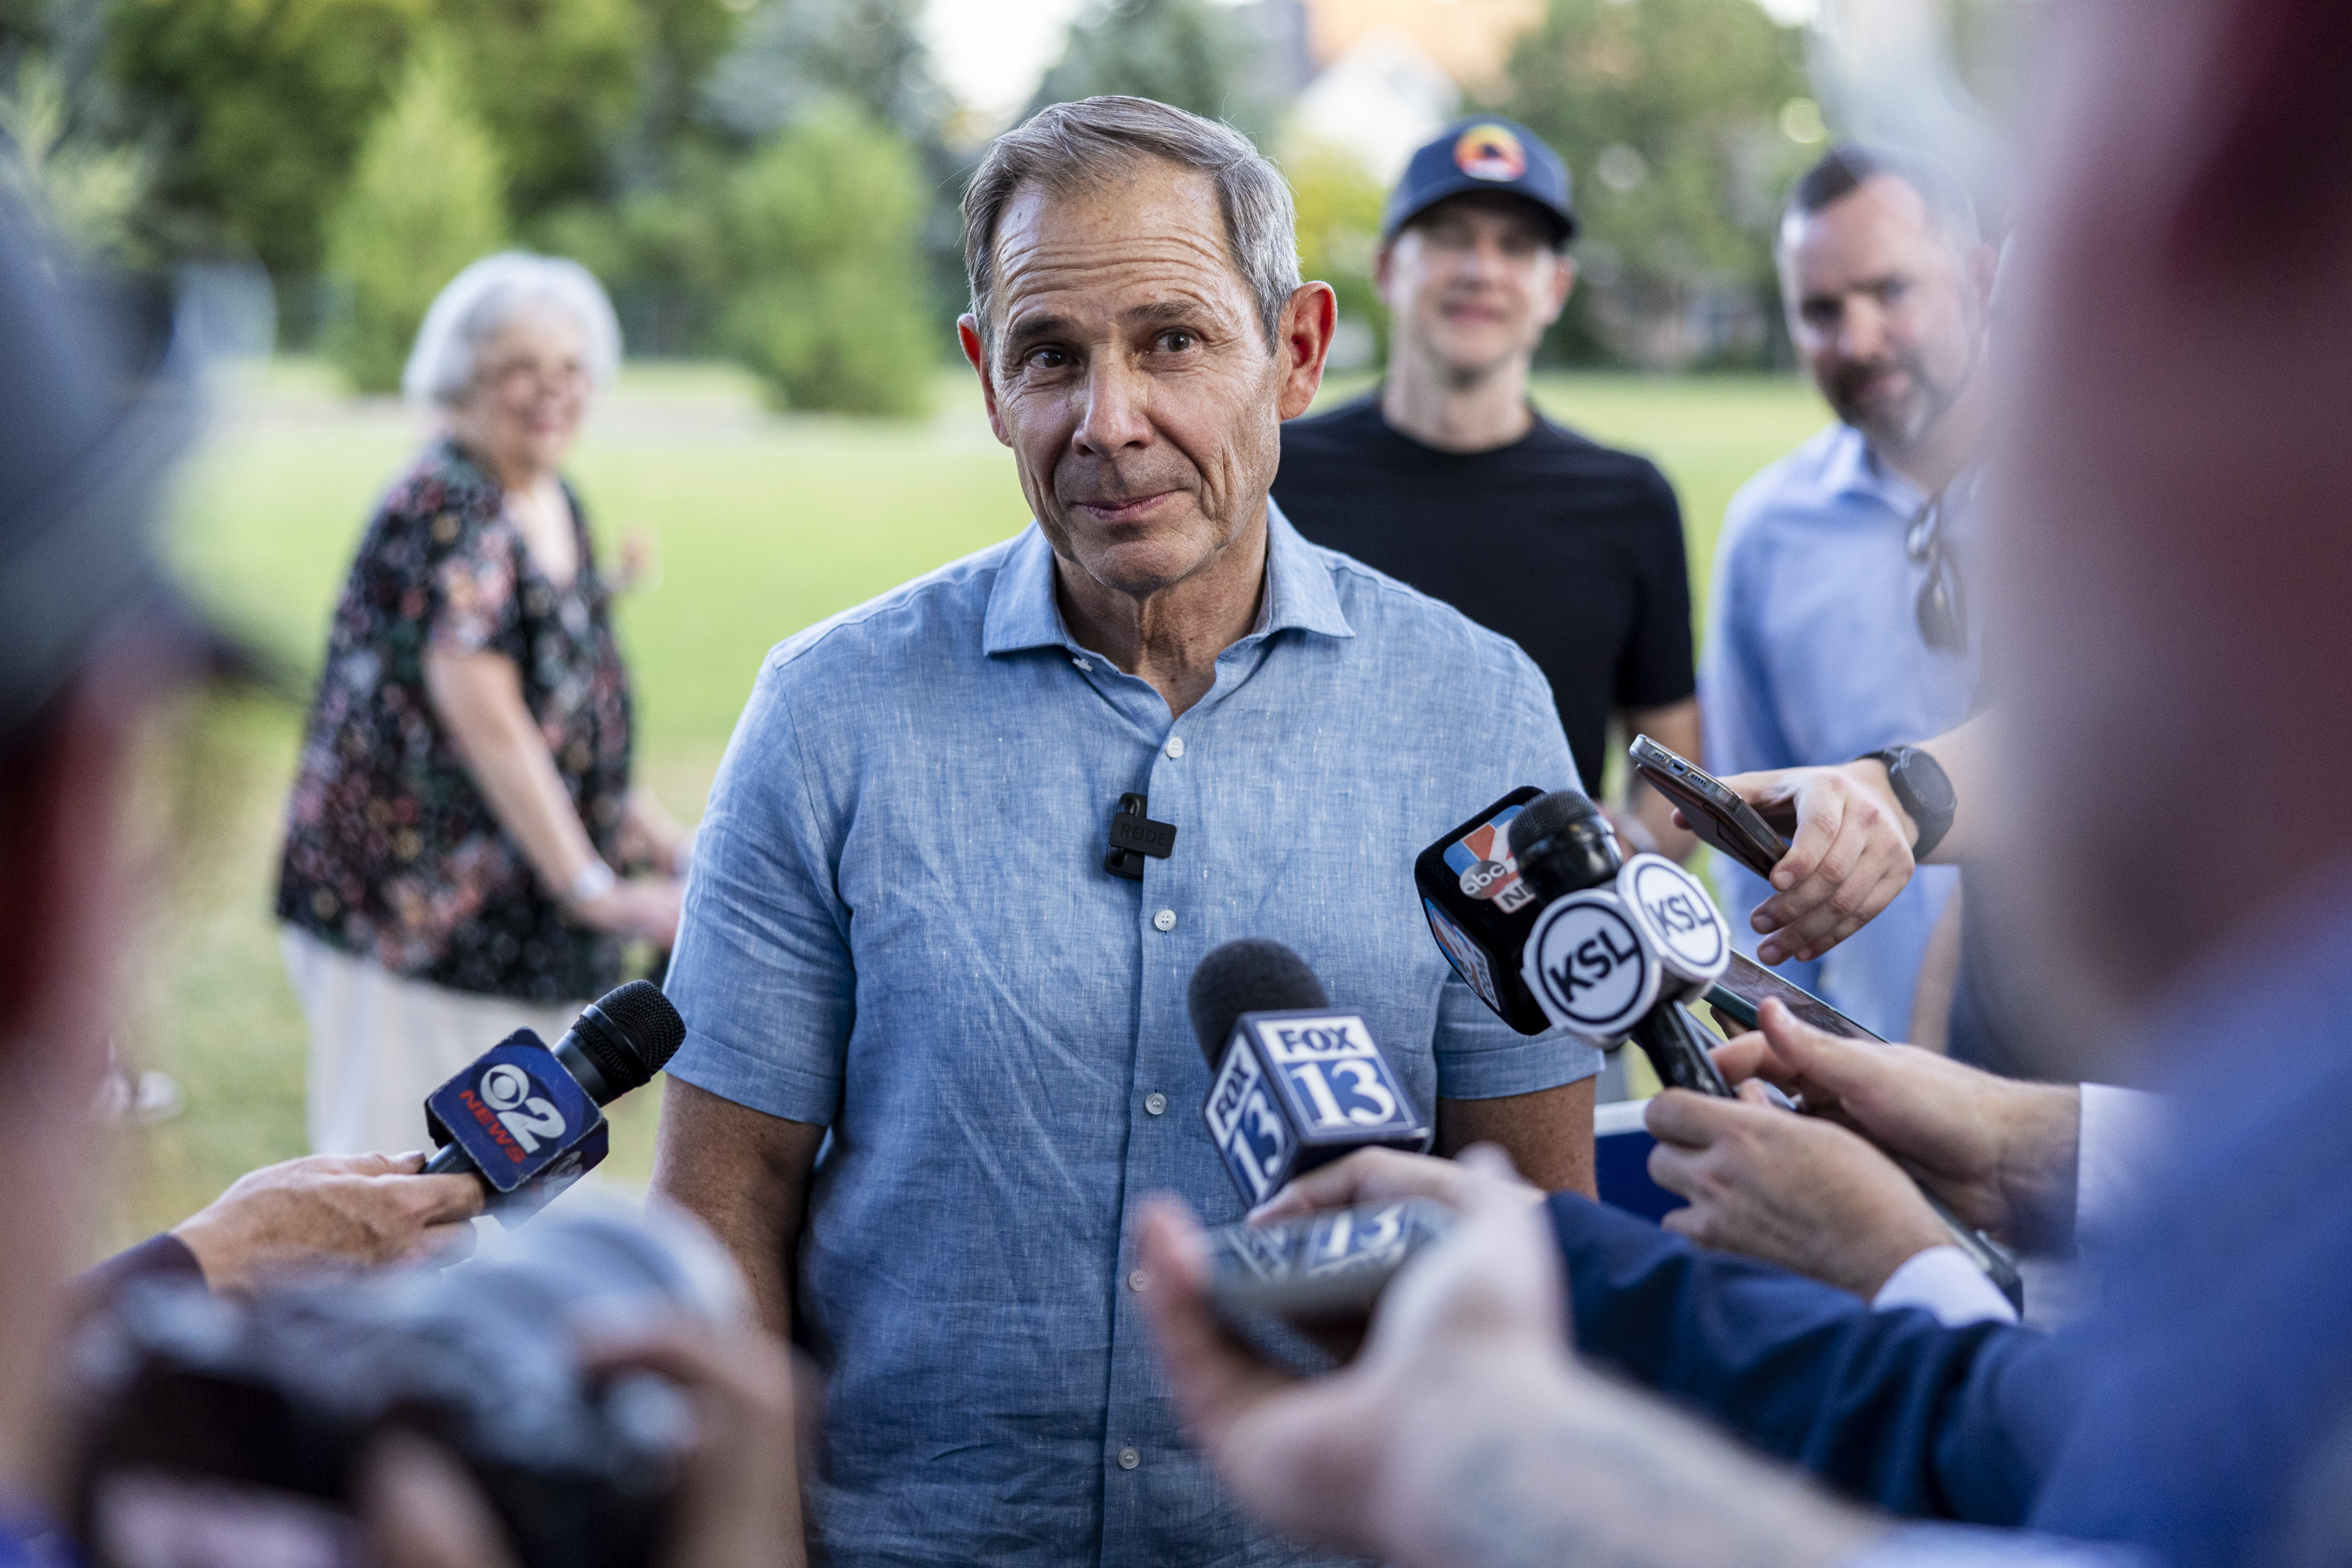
x: 506, y: 1086
x: 506, y: 1089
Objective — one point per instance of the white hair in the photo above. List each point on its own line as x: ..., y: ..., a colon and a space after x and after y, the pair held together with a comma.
x: 480, y: 302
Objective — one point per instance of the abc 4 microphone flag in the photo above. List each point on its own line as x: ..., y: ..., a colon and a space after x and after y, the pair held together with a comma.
x: 526, y: 1124
x: 1299, y: 1088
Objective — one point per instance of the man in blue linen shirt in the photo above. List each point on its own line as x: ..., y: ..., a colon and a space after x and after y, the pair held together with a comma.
x: 900, y: 929
x: 1818, y: 649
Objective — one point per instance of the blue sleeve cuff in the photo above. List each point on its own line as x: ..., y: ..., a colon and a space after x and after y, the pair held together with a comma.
x: 760, y: 1083
x: 1524, y: 1065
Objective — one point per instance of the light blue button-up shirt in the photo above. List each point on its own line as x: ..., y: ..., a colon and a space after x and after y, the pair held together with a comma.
x: 898, y: 924
x: 1813, y: 655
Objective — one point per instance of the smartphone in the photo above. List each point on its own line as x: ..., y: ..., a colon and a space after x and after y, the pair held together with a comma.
x: 1746, y: 985
x: 1722, y: 821
x: 1323, y: 1269
x: 1744, y: 989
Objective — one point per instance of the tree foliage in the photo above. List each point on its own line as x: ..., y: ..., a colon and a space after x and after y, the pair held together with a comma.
x: 1339, y: 207
x: 257, y: 110
x: 424, y: 201
x: 826, y: 298
x: 1669, y: 115
x: 1187, y: 53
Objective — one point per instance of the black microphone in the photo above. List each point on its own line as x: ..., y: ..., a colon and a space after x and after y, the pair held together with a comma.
x: 1295, y: 1083
x: 1562, y: 845
x: 528, y: 1120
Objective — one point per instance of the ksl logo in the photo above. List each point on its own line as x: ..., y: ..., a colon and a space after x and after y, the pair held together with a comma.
x: 1682, y: 924
x: 1589, y: 965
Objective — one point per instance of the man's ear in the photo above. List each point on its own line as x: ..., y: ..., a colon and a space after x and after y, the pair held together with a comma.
x: 1384, y: 272
x: 968, y: 336
x: 1307, y: 322
x: 1564, y: 283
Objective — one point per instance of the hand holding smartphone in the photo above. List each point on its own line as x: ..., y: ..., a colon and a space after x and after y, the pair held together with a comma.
x: 1723, y: 822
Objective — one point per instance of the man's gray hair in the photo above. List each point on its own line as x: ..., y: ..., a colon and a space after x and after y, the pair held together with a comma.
x: 483, y: 298
x: 1070, y: 145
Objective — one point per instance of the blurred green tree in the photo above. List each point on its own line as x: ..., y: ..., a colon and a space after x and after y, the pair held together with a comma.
x: 1340, y: 207
x: 259, y: 110
x: 424, y: 201
x: 256, y: 111
x: 1671, y: 116
x: 1188, y: 53
x: 86, y: 191
x: 822, y: 267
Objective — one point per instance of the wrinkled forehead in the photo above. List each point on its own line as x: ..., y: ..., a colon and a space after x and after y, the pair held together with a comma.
x: 1142, y: 233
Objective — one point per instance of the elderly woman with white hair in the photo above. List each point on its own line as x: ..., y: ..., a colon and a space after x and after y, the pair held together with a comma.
x: 462, y: 820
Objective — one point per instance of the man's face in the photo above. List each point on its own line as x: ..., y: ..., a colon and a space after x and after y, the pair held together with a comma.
x: 1473, y: 282
x: 1130, y: 375
x: 1886, y: 316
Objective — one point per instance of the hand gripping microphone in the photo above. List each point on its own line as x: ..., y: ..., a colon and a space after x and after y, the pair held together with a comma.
x: 1295, y: 1084
x: 528, y: 1120
x: 1618, y: 949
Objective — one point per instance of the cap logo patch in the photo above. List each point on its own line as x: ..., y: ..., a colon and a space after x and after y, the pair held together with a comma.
x: 1490, y: 151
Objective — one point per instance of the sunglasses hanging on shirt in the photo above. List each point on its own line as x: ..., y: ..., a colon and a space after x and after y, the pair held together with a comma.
x: 1942, y: 605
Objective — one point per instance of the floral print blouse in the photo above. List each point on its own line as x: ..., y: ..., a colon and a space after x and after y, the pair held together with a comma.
x: 391, y: 852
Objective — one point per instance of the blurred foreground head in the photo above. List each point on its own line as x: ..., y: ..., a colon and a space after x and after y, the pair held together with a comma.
x: 2174, y: 536
x: 80, y: 451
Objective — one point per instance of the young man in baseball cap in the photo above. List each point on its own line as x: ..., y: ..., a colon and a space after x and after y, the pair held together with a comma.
x: 1446, y: 477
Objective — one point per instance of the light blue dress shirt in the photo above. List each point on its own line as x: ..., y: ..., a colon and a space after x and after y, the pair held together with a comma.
x: 898, y: 924
x: 1813, y: 657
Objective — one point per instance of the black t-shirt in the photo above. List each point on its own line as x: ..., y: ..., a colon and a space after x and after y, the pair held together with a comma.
x: 1572, y: 550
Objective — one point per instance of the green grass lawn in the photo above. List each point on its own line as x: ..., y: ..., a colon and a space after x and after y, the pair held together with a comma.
x: 765, y: 525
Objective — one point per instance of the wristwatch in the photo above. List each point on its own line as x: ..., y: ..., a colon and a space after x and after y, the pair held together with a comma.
x: 1925, y: 791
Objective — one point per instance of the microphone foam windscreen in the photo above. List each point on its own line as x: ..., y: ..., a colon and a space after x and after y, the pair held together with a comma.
x: 1252, y: 975
x: 649, y: 1031
x: 1548, y: 817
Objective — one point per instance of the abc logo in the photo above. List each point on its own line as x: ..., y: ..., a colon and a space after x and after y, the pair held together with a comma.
x: 505, y: 1086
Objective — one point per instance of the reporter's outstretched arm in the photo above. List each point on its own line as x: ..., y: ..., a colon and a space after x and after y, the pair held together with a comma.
x: 356, y: 1209
x: 2000, y: 1153
x: 1850, y: 839
x: 1797, y: 1190
x: 1465, y: 1432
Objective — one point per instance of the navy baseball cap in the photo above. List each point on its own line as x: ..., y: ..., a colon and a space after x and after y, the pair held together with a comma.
x: 1483, y: 154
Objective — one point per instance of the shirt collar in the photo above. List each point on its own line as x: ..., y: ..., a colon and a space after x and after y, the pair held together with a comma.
x: 1024, y: 611
x: 1852, y: 468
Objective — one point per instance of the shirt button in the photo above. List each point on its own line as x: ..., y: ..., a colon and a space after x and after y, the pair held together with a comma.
x: 1175, y: 747
x: 1135, y: 1281
x: 1080, y: 663
x: 1129, y: 1458
x: 1155, y: 1104
x: 1165, y: 919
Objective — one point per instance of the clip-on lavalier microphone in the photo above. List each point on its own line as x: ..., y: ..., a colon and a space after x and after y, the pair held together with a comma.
x: 1133, y: 835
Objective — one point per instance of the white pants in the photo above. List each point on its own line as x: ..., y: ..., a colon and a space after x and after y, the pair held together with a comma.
x: 380, y: 1043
